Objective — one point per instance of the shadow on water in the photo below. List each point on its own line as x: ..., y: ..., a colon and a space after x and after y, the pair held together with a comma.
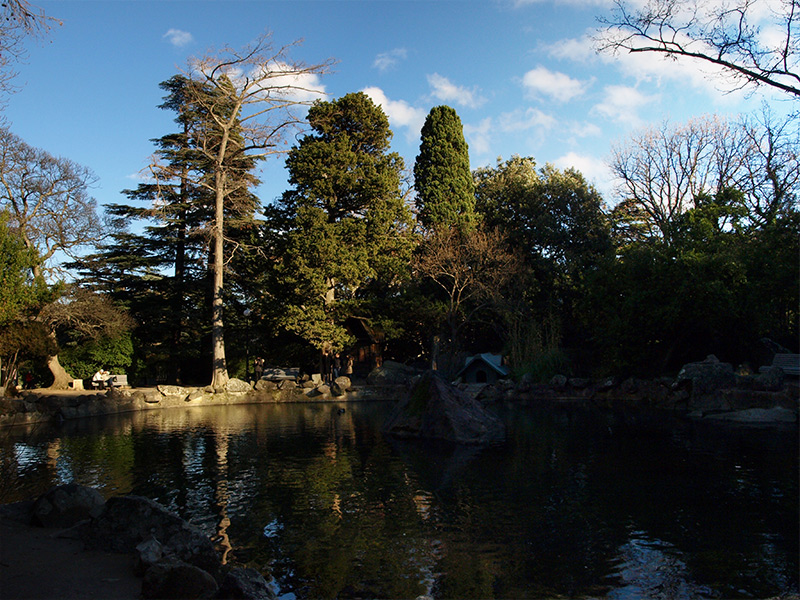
x: 577, y: 502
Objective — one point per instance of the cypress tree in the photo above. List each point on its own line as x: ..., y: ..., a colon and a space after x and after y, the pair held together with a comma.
x: 442, y: 177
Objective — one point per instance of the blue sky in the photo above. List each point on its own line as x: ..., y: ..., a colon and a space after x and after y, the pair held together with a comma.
x: 523, y: 77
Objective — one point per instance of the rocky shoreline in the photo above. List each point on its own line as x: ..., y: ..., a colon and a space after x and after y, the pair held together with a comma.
x: 170, y: 557
x: 708, y: 389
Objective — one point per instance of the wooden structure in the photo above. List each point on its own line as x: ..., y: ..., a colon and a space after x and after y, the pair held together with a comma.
x: 367, y: 352
x: 483, y: 368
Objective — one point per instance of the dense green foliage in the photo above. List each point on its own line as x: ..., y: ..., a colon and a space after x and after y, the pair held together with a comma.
x: 112, y: 353
x: 442, y: 177
x: 19, y: 290
x: 346, y: 232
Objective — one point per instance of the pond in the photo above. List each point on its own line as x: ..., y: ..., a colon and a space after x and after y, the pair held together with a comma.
x: 576, y: 503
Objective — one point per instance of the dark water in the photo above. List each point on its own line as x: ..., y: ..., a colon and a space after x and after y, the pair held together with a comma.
x: 576, y: 503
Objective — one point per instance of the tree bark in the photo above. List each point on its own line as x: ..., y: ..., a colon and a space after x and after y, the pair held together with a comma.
x: 220, y: 372
x: 61, y: 379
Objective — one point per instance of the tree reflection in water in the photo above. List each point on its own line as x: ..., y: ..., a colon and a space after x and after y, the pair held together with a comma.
x: 575, y: 503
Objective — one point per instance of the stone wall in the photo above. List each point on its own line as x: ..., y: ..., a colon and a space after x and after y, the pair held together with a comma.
x: 45, y: 405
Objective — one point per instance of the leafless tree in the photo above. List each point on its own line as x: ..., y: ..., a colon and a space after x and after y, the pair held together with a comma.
x: 247, y: 102
x: 662, y: 170
x: 18, y: 20
x: 471, y: 268
x: 772, y: 182
x: 725, y: 34
x: 48, y: 200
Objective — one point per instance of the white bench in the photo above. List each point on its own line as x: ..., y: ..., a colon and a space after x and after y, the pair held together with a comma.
x: 117, y: 381
x: 790, y: 363
x: 112, y: 381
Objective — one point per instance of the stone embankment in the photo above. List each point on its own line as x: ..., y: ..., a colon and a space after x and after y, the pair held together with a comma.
x: 708, y: 389
x: 35, y: 406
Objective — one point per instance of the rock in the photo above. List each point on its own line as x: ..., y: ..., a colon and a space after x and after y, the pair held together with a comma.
x: 706, y: 380
x: 309, y: 385
x: 559, y: 381
x: 148, y: 553
x: 148, y: 396
x: 237, y: 386
x: 194, y: 395
x: 316, y: 379
x: 770, y: 379
x: 127, y: 521
x: 172, y: 390
x: 758, y: 415
x: 287, y: 384
x: 245, y: 584
x: 340, y: 386
x: 391, y: 373
x: 173, y: 578
x: 321, y: 390
x: 66, y: 505
x: 262, y: 385
x: 435, y: 409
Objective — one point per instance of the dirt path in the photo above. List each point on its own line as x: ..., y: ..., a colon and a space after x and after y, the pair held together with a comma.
x: 44, y: 564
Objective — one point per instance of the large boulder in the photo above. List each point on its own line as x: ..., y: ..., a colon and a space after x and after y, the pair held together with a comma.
x: 237, y: 386
x: 436, y: 409
x: 340, y: 385
x: 172, y: 578
x: 67, y: 505
x: 706, y: 380
x: 127, y: 521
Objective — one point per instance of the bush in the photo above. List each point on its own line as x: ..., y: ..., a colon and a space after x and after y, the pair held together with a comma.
x: 83, y: 360
x: 547, y: 364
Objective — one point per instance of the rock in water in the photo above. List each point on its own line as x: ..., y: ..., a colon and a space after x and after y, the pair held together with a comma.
x: 436, y: 409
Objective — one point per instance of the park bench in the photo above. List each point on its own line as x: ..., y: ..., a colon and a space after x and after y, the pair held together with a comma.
x: 113, y: 381
x: 789, y: 363
x: 117, y: 381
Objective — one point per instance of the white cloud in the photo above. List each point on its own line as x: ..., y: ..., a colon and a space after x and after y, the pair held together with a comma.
x: 446, y: 91
x: 622, y: 104
x: 389, y: 60
x: 522, y: 120
x: 542, y: 81
x: 584, y: 130
x: 178, y: 37
x: 595, y: 170
x: 479, y: 136
x: 400, y: 112
x: 580, y: 49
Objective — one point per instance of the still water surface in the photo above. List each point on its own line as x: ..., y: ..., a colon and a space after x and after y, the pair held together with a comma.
x: 576, y: 503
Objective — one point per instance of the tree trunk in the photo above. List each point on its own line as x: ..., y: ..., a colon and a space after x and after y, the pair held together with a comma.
x: 61, y: 379
x: 220, y: 368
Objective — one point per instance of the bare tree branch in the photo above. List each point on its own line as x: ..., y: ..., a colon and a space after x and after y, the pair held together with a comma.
x: 727, y: 36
